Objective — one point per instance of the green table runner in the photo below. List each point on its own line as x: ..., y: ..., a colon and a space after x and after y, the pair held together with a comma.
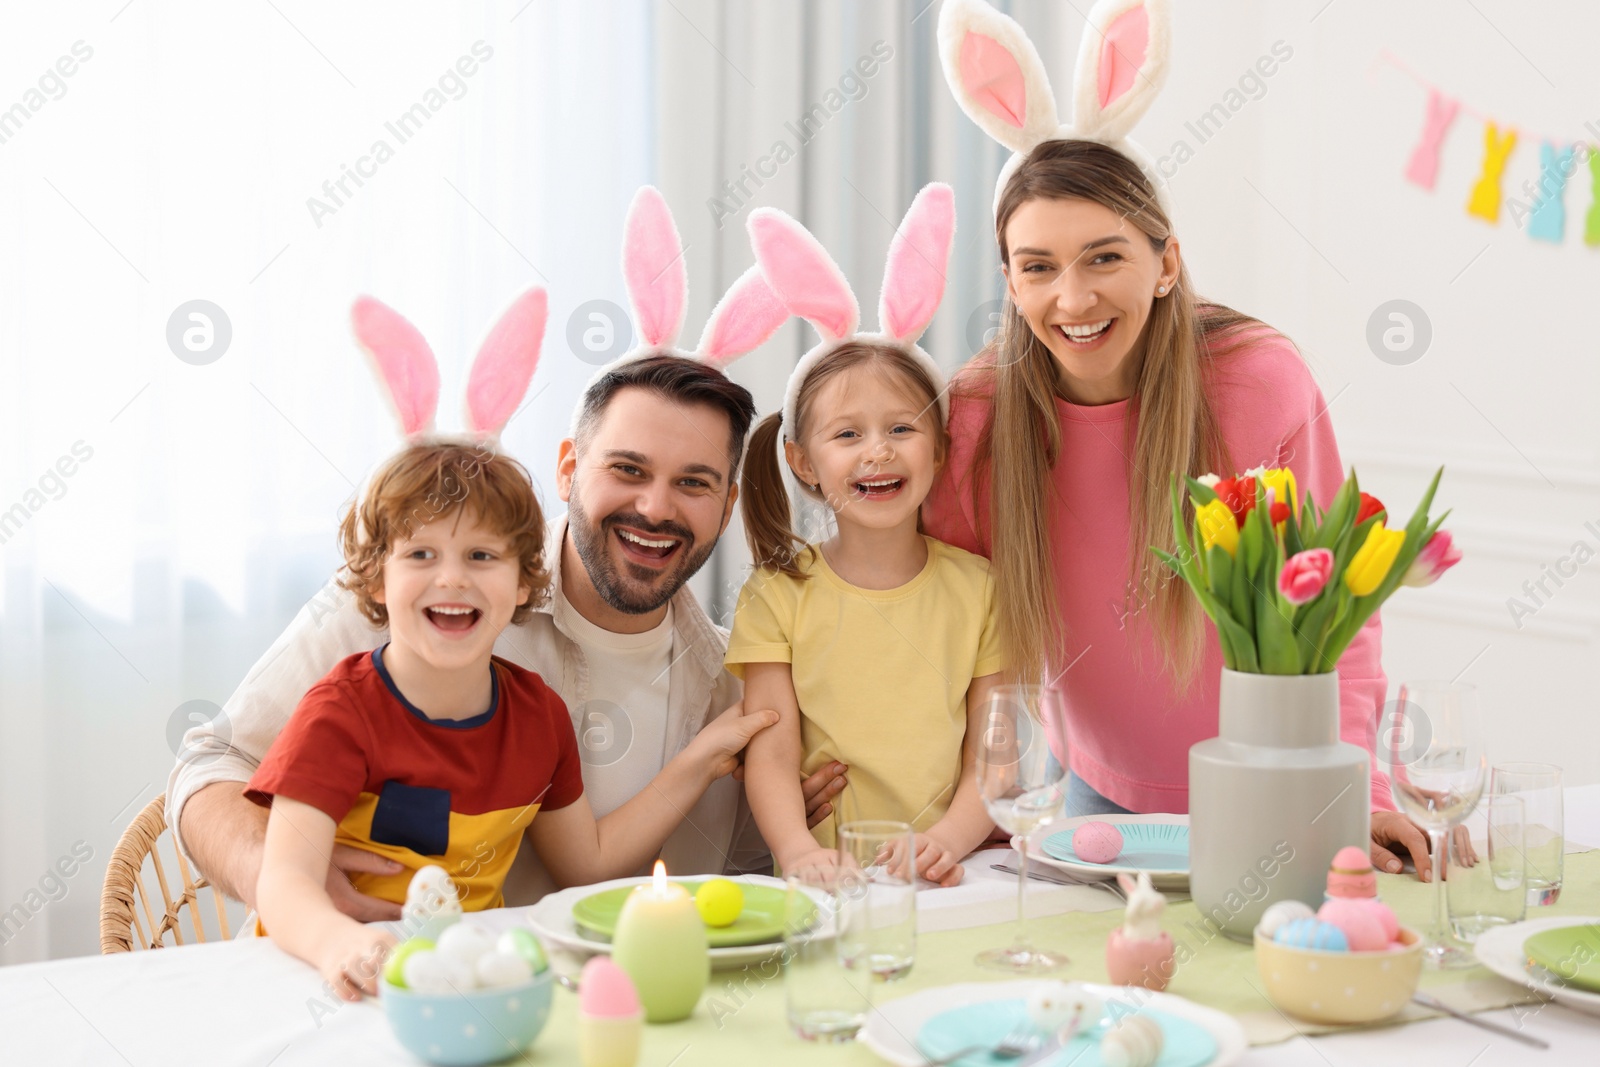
x: 741, y: 1018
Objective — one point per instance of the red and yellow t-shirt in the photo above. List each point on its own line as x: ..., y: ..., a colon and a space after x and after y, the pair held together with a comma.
x: 456, y: 793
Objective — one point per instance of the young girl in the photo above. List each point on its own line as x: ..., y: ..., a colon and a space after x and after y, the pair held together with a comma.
x: 1110, y: 374
x: 877, y: 646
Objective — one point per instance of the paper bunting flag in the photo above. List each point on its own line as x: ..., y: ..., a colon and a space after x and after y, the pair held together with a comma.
x: 1424, y: 165
x: 1485, y: 201
x: 1591, y: 225
x: 1549, y: 213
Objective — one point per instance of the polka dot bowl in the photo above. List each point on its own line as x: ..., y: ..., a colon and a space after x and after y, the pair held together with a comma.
x: 1340, y: 987
x: 468, y: 1029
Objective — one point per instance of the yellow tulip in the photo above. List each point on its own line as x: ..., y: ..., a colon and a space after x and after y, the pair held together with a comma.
x: 1281, y: 481
x: 1370, y: 565
x: 1217, y: 526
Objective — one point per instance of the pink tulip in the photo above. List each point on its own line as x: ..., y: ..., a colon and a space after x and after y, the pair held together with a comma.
x: 1436, y: 557
x: 1304, y: 574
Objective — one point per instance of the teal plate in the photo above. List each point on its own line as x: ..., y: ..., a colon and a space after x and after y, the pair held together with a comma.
x: 1160, y: 848
x: 1184, y: 1044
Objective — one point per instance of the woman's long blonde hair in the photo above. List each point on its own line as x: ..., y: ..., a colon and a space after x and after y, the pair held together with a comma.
x: 1021, y: 437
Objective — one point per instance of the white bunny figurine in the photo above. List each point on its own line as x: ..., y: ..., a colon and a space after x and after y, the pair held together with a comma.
x: 1139, y: 952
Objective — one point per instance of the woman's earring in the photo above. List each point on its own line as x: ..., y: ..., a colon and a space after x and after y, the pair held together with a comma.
x: 1161, y: 290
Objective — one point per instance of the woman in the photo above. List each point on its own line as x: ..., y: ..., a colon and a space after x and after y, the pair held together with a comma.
x: 1108, y: 375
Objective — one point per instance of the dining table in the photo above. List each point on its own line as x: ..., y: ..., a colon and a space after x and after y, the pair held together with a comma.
x: 246, y: 1002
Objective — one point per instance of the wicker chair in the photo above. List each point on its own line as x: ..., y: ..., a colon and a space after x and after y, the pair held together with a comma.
x: 124, y: 897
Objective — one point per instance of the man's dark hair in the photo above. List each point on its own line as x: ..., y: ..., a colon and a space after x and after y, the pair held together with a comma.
x: 684, y: 381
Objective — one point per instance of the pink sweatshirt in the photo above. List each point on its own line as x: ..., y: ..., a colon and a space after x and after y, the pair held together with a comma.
x: 1130, y: 729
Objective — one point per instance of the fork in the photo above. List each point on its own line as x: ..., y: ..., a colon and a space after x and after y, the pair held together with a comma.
x: 1020, y: 1040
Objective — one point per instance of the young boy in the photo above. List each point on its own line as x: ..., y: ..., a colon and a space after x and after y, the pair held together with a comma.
x: 430, y: 749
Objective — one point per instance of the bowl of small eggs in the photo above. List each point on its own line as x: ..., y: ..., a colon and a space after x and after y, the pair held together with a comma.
x: 1349, y: 961
x: 469, y: 997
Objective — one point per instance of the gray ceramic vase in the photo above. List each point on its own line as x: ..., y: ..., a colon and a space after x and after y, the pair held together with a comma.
x: 1272, y: 798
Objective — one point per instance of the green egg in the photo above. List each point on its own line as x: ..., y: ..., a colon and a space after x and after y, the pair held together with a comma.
x: 522, y: 943
x: 394, y: 967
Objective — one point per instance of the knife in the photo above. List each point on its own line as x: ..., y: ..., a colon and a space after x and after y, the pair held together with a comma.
x: 1504, y: 1031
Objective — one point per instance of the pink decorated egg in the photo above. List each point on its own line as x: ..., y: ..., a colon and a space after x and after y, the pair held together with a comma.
x: 1386, y: 916
x: 606, y: 991
x: 1097, y: 842
x: 1351, y: 875
x: 1362, y: 927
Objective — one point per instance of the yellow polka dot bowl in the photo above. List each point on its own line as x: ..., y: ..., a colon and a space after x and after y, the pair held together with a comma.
x: 1339, y: 988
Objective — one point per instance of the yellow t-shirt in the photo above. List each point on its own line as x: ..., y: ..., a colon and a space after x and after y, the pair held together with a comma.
x: 881, y: 675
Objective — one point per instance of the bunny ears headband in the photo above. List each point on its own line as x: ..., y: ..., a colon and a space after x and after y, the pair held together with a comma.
x: 1000, y: 82
x: 811, y: 285
x: 410, y: 374
x: 658, y: 288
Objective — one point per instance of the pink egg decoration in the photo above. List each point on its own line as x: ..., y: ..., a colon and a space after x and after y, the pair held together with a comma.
x: 606, y: 991
x: 1350, y: 874
x: 1361, y: 925
x: 1097, y: 842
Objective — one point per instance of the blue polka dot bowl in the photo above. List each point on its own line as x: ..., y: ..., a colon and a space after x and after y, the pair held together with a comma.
x: 468, y: 1029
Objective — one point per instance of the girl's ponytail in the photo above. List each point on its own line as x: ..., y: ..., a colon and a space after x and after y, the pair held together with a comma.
x: 764, y: 501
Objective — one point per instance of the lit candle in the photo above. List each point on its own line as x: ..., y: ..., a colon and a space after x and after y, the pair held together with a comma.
x: 661, y: 943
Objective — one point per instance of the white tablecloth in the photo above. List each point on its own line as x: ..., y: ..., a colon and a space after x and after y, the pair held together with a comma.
x: 247, y: 1003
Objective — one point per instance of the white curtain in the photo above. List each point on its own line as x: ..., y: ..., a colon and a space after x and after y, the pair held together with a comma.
x: 162, y: 519
x: 837, y: 112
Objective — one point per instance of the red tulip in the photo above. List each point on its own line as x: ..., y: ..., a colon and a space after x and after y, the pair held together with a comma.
x: 1370, y: 506
x: 1304, y: 574
x: 1240, y: 496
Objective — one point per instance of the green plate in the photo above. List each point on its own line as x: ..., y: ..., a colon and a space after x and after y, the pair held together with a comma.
x: 1571, y: 953
x: 761, y: 921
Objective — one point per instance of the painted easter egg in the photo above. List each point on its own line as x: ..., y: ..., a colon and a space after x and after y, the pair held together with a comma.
x: 499, y: 970
x: 720, y: 902
x: 432, y: 973
x: 1135, y: 1041
x: 1350, y: 874
x: 1052, y: 1005
x: 606, y: 991
x: 465, y: 942
x: 394, y: 966
x: 1313, y: 934
x: 522, y: 943
x: 1097, y: 842
x: 1363, y: 930
x: 1279, y: 915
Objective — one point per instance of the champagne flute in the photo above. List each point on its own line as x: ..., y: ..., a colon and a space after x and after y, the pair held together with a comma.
x: 1021, y: 788
x: 1436, y: 758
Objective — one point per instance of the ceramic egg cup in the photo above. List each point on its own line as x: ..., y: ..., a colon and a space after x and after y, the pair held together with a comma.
x: 469, y: 1029
x: 1340, y: 987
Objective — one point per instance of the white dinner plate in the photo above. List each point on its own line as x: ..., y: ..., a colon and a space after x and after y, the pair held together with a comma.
x: 551, y: 919
x: 892, y: 1028
x: 1167, y: 880
x: 1500, y: 950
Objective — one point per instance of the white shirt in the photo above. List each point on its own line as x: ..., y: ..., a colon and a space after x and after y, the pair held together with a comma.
x: 622, y: 727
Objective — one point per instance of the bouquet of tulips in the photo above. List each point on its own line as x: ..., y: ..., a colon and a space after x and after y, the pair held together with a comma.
x: 1289, y: 589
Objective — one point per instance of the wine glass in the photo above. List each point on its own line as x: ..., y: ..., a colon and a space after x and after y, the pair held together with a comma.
x: 1437, y: 762
x: 1022, y: 789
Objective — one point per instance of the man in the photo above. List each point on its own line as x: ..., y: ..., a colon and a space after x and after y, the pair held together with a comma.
x: 650, y: 479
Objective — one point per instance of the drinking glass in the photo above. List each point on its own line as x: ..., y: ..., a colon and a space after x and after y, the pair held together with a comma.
x: 1539, y: 786
x: 878, y: 896
x: 1489, y: 893
x: 1022, y: 788
x: 1435, y: 749
x: 826, y: 996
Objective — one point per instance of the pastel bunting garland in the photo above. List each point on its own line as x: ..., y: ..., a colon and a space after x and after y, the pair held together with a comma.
x: 1549, y: 214
x: 1424, y: 166
x: 1485, y: 199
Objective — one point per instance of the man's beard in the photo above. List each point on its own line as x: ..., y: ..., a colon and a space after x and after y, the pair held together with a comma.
x: 631, y: 590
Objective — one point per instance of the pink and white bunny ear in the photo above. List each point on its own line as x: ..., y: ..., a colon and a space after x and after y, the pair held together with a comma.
x: 802, y: 273
x: 996, y: 74
x: 406, y: 365
x: 743, y: 320
x: 1122, y: 64
x: 505, y: 364
x: 652, y: 266
x: 914, y: 277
